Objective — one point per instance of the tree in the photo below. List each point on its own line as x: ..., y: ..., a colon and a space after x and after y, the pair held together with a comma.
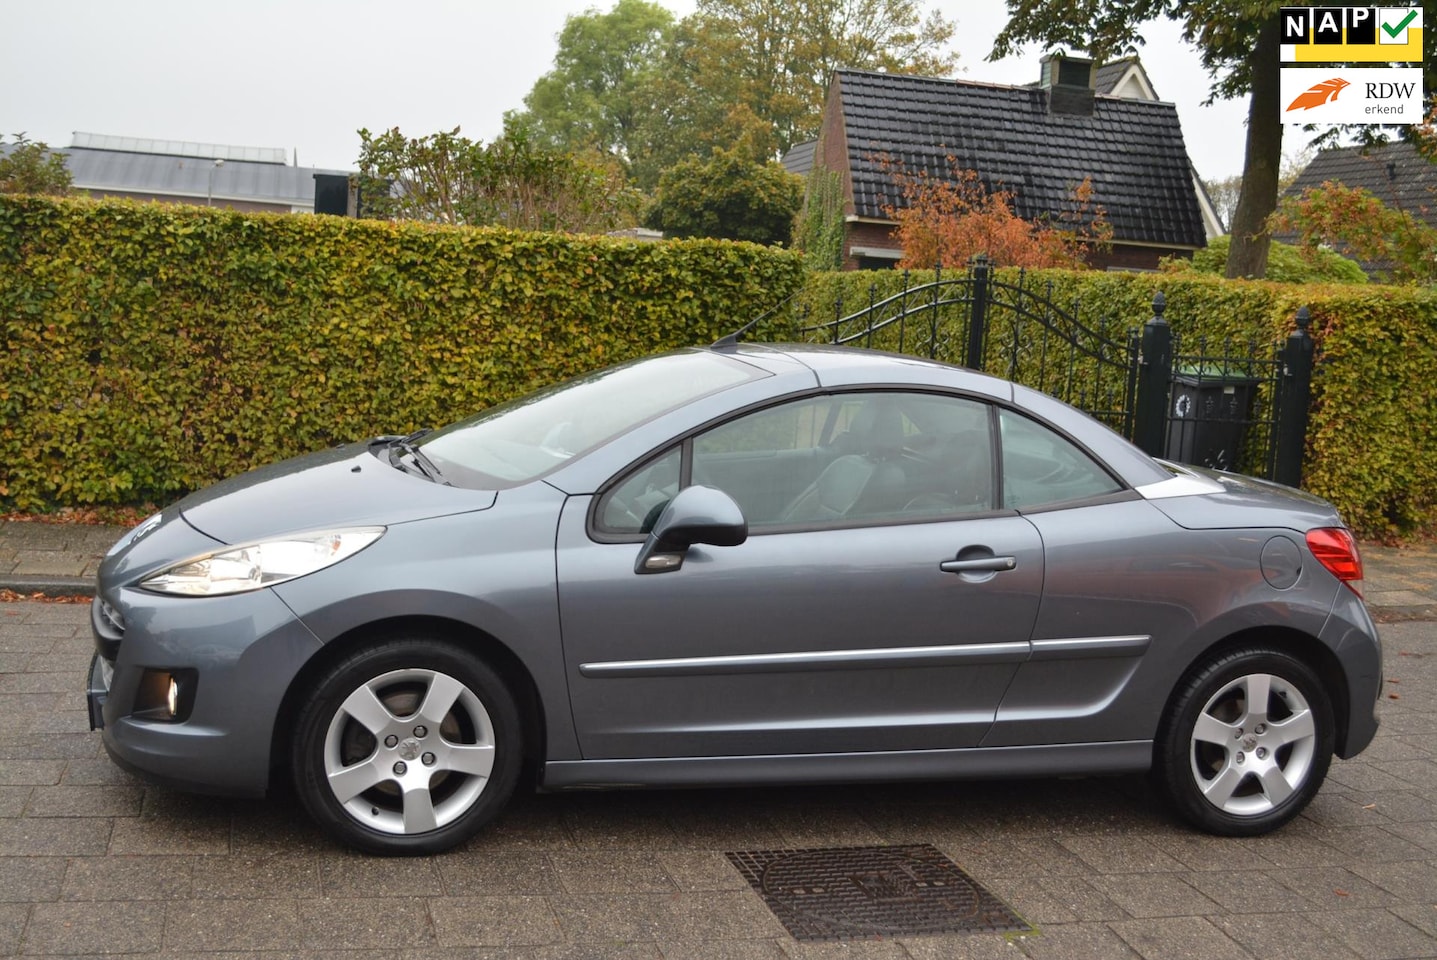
x: 512, y: 182
x: 728, y: 197
x: 952, y: 219
x: 684, y: 112
x: 1224, y: 193
x: 776, y: 57
x: 745, y: 75
x: 590, y: 99
x: 1362, y: 226
x: 1238, y: 41
x: 31, y: 167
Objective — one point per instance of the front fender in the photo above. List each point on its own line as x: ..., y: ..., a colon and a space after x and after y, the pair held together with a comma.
x: 490, y: 571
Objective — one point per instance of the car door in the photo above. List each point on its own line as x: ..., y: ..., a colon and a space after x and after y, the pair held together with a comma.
x: 882, y: 600
x: 1110, y: 581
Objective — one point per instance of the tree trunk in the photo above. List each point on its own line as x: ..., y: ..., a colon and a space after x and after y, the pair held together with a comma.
x: 1247, y: 257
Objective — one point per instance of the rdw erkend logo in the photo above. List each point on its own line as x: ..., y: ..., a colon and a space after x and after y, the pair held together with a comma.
x: 1319, y: 94
x: 1355, y: 95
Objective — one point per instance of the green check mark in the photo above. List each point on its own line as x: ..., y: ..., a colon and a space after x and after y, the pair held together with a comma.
x: 1394, y: 31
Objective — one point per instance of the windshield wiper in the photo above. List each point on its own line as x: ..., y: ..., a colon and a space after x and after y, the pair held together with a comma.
x: 402, y: 447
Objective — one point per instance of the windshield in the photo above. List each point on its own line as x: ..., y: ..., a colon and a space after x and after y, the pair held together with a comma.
x: 523, y: 439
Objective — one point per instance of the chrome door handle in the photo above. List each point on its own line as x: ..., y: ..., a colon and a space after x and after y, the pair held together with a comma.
x: 981, y: 565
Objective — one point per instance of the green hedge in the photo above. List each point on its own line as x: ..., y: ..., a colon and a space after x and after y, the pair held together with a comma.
x: 1372, y: 445
x: 149, y: 350
x: 1285, y: 263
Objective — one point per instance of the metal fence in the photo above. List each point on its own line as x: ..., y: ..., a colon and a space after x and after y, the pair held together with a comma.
x: 1233, y: 405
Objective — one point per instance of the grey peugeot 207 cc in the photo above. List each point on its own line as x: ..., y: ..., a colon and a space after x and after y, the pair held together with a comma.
x: 740, y: 565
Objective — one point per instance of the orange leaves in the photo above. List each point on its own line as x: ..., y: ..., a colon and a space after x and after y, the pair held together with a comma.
x: 952, y: 219
x: 1352, y: 220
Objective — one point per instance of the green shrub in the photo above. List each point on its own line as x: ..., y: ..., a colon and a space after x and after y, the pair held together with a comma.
x: 1285, y: 263
x: 1371, y: 440
x: 149, y: 350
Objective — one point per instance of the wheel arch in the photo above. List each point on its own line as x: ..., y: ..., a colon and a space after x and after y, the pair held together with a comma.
x: 1290, y: 640
x: 494, y: 652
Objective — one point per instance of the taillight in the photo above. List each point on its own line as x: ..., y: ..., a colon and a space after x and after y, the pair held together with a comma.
x: 1336, y: 550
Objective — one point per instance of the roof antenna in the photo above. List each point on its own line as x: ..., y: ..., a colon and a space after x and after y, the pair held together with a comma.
x: 729, y: 341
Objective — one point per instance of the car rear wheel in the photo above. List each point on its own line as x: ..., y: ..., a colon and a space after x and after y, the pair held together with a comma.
x: 407, y: 748
x: 1246, y: 743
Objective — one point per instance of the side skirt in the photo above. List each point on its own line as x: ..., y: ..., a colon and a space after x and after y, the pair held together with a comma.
x: 1127, y: 756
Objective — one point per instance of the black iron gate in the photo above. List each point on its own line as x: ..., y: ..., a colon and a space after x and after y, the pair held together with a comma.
x: 1232, y: 405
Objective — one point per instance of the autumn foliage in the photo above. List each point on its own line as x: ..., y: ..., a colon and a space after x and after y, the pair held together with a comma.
x: 952, y: 219
x: 1358, y: 224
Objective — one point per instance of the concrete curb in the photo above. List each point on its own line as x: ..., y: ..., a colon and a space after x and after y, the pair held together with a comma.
x: 49, y: 586
x: 1398, y: 614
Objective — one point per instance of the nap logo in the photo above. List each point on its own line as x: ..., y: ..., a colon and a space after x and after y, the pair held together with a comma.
x: 1351, y: 34
x: 1352, y: 95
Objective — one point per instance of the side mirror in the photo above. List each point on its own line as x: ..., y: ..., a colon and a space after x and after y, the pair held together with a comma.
x: 697, y: 514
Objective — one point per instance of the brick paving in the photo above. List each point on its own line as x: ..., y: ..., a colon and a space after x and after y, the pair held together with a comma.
x: 1402, y: 581
x: 93, y: 862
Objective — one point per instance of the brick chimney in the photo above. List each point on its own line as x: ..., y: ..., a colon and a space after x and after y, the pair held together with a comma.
x: 1069, y: 83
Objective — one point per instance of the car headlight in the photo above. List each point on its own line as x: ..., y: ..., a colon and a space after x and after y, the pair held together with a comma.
x: 252, y: 566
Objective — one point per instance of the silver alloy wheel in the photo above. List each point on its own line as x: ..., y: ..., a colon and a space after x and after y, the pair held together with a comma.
x: 409, y: 751
x: 1253, y: 745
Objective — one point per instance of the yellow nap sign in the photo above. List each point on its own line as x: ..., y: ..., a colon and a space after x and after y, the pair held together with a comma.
x: 1351, y: 34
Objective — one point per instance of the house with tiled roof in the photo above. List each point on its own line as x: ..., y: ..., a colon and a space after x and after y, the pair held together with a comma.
x: 1124, y: 78
x: 1037, y: 142
x: 1394, y: 173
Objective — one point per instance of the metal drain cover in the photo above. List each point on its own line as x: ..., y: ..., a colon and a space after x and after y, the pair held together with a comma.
x: 869, y: 893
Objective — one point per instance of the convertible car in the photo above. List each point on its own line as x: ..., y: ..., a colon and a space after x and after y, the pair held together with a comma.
x: 735, y: 565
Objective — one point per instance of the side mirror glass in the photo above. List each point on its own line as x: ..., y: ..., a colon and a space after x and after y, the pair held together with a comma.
x: 698, y: 514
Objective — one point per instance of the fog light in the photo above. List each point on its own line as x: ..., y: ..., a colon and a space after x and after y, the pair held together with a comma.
x: 165, y: 695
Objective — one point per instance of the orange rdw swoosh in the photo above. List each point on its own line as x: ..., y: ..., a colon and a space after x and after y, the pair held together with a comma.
x: 1318, y: 94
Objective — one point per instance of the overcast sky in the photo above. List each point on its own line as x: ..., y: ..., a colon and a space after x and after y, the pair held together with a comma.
x: 305, y: 74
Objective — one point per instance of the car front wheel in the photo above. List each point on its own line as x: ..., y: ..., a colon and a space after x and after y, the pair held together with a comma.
x: 407, y: 748
x: 1247, y: 742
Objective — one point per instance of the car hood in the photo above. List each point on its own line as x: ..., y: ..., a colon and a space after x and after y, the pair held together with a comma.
x: 1238, y: 501
x: 344, y: 486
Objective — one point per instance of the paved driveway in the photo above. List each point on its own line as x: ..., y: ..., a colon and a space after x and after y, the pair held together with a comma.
x: 93, y: 862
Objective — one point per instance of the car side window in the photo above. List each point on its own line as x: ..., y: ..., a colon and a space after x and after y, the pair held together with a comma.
x: 832, y: 460
x: 632, y: 505
x: 852, y: 458
x: 766, y: 458
x: 1042, y: 468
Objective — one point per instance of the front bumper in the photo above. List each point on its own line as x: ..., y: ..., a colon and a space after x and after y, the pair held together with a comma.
x: 102, y: 671
x: 242, y: 652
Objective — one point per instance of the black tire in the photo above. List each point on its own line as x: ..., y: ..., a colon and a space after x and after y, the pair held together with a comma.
x: 1236, y: 768
x: 423, y: 781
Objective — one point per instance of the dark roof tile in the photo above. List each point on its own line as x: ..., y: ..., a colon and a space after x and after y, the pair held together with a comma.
x: 1132, y: 150
x: 1395, y: 173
